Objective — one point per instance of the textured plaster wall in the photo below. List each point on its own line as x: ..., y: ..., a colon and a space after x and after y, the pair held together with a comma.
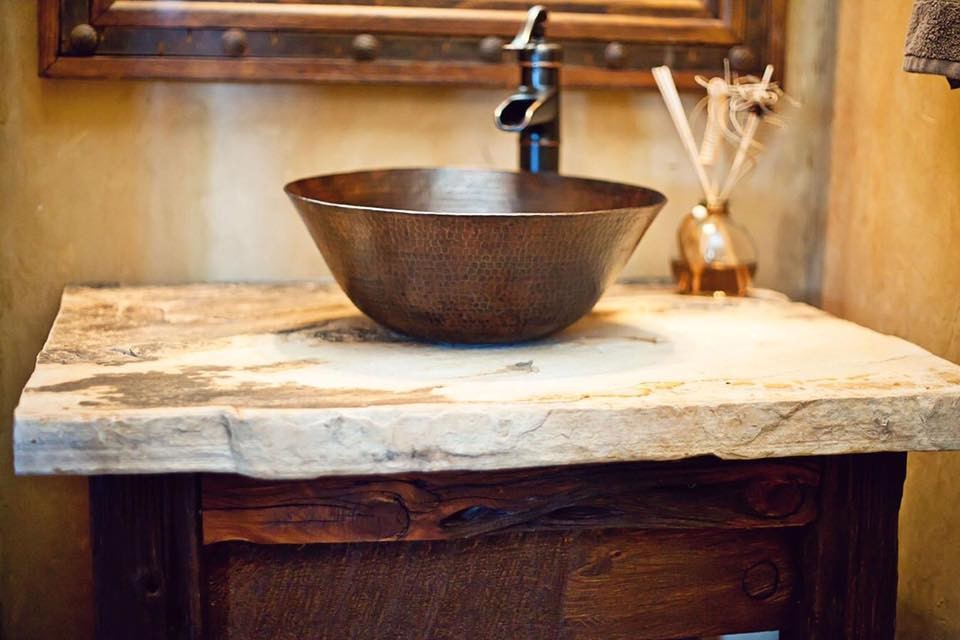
x: 892, y: 263
x: 162, y: 182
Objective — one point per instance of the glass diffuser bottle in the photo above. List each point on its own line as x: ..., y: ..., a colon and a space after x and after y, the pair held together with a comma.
x: 716, y: 255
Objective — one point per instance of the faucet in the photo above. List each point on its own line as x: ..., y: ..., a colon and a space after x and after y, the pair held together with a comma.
x: 534, y: 110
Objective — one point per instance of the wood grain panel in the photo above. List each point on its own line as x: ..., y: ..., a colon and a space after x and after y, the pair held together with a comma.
x: 293, y: 69
x: 48, y: 17
x: 584, y: 585
x: 146, y: 572
x: 850, y: 555
x: 685, y: 495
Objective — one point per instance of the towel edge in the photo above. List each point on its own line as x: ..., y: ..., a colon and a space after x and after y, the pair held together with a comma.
x: 916, y: 64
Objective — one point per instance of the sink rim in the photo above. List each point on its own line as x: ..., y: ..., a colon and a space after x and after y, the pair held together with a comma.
x: 655, y: 198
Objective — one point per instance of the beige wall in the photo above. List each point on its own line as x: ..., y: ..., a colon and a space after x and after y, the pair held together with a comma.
x: 892, y: 263
x: 156, y: 181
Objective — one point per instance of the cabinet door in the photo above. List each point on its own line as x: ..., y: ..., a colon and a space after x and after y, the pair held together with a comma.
x: 607, y: 42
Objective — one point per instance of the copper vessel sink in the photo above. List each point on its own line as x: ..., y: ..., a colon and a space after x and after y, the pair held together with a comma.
x: 469, y: 256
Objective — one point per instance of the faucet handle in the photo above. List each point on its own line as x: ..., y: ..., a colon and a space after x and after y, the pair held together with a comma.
x: 532, y: 29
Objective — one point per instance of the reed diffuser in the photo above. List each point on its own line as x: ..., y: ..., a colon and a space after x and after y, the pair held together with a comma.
x: 716, y: 255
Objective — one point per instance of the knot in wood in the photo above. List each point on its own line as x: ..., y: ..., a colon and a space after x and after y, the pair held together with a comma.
x: 761, y: 580
x: 774, y: 498
x: 150, y: 581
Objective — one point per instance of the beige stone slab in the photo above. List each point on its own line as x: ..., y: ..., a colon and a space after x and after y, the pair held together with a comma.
x: 292, y: 381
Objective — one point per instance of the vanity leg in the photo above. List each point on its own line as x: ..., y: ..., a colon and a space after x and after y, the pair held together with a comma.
x: 145, y: 533
x: 849, y: 557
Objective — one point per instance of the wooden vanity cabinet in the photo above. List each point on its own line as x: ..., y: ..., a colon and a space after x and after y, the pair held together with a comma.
x: 636, y: 550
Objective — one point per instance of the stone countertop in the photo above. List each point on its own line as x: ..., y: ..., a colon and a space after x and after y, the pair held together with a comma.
x: 291, y: 381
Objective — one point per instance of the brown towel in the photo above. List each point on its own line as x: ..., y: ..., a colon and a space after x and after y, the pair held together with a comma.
x: 933, y: 39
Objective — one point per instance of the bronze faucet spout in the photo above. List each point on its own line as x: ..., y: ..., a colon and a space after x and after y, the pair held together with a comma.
x: 534, y: 110
x: 522, y: 110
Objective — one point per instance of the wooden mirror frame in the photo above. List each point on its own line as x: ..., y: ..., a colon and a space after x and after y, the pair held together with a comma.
x: 606, y: 45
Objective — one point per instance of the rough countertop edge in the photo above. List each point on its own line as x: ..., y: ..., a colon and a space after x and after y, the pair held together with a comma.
x: 92, y: 469
x: 934, y: 430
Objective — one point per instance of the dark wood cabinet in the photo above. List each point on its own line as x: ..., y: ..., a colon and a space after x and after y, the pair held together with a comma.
x: 608, y: 43
x: 644, y: 550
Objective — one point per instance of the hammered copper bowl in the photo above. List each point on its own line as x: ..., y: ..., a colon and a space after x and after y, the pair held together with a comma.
x: 465, y: 256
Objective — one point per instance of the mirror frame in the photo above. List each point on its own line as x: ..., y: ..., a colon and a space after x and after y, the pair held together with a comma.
x: 608, y: 43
